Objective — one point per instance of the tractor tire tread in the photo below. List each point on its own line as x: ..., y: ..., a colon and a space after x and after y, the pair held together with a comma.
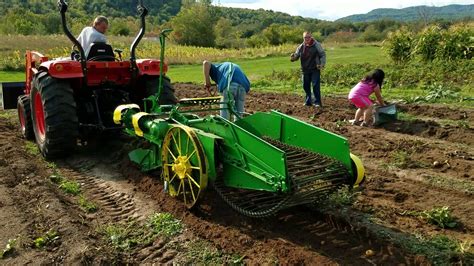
x: 61, y: 122
x: 24, y: 103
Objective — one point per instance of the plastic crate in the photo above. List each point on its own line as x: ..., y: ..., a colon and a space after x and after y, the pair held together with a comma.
x: 384, y: 114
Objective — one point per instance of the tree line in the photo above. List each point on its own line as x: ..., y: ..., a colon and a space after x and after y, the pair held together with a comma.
x: 195, y: 22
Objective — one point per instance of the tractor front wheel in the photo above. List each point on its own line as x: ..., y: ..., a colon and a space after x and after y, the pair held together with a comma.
x: 184, y: 165
x: 55, y: 122
x: 24, y: 115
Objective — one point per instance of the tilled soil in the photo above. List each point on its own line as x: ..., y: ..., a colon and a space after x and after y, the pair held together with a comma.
x: 436, y: 169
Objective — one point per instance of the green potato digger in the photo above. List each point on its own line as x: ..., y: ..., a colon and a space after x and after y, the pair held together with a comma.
x: 259, y: 164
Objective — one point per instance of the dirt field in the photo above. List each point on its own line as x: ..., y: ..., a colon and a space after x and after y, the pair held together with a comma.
x: 412, y: 166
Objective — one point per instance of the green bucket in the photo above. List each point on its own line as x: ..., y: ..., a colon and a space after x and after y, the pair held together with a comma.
x: 385, y: 114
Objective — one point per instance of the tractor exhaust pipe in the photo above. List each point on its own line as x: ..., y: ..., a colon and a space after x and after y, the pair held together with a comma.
x: 143, y: 11
x: 62, y: 5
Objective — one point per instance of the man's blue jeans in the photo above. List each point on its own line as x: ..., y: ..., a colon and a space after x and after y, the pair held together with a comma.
x: 237, y: 92
x: 315, y: 78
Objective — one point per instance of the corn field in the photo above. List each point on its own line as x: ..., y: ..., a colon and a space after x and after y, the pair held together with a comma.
x: 13, y: 47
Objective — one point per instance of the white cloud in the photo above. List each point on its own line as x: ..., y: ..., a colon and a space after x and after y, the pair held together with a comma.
x: 331, y: 9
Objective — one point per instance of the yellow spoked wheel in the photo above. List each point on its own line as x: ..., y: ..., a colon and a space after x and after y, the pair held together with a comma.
x: 184, y: 165
x: 358, y: 170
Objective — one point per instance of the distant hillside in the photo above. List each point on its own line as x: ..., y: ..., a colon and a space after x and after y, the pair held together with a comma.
x: 116, y: 8
x: 252, y: 21
x: 450, y: 12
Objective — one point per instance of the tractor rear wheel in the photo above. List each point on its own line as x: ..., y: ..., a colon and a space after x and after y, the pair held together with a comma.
x: 184, y: 165
x: 54, y: 116
x: 24, y: 115
x: 167, y: 94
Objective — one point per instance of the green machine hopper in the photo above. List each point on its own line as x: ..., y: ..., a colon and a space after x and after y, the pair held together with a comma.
x: 260, y: 164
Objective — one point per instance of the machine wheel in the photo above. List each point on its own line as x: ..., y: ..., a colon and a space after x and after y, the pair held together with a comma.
x: 24, y: 115
x: 184, y: 165
x: 358, y: 171
x: 54, y: 116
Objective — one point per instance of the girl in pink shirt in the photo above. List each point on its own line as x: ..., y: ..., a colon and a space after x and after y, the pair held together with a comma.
x: 359, y: 96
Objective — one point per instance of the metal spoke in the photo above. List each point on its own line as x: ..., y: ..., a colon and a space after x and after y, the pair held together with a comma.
x: 168, y: 148
x: 179, y: 142
x: 189, y: 157
x: 174, y: 176
x: 187, y: 145
x: 176, y: 144
x: 184, y: 191
x: 192, y: 190
x: 194, y: 181
x: 179, y: 187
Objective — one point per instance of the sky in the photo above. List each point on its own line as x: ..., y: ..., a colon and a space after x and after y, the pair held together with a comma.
x: 331, y: 9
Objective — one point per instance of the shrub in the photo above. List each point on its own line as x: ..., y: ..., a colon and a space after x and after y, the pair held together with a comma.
x: 428, y: 42
x: 441, y: 217
x: 457, y: 43
x: 398, y: 45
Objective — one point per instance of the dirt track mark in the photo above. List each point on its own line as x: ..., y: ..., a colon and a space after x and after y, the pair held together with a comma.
x: 118, y: 200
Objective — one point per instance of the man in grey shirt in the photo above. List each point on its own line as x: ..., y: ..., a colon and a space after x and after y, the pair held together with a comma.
x: 313, y: 59
x: 93, y: 34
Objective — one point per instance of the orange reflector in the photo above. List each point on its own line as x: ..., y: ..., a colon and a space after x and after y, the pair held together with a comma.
x: 59, y: 67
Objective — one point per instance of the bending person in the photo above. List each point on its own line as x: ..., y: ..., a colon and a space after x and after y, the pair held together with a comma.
x: 227, y: 75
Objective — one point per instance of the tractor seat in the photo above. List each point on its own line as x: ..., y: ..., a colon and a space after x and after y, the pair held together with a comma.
x: 100, y: 52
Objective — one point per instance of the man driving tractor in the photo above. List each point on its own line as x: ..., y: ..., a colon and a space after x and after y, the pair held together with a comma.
x: 94, y: 34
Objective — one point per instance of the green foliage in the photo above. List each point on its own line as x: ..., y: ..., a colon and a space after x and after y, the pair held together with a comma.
x: 403, y: 116
x: 428, y: 42
x: 201, y: 252
x: 51, y: 165
x: 371, y: 34
x: 70, y: 187
x: 460, y: 185
x: 42, y: 17
x: 441, y: 217
x: 345, y: 74
x: 398, y: 45
x: 343, y: 196
x: 437, y: 92
x: 123, y: 237
x: 56, y: 178
x: 9, y: 248
x: 403, y: 160
x: 87, y: 205
x: 414, y: 13
x: 227, y: 36
x: 342, y: 37
x: 165, y: 224
x: 49, y: 238
x: 432, y: 43
x: 194, y: 25
x: 132, y: 234
x: 441, y: 249
x: 457, y: 43
x: 31, y: 148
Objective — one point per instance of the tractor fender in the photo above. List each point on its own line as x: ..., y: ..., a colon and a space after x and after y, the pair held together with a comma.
x: 63, y: 69
x: 151, y: 67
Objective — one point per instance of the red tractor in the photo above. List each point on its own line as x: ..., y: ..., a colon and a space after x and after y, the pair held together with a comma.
x: 70, y: 98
